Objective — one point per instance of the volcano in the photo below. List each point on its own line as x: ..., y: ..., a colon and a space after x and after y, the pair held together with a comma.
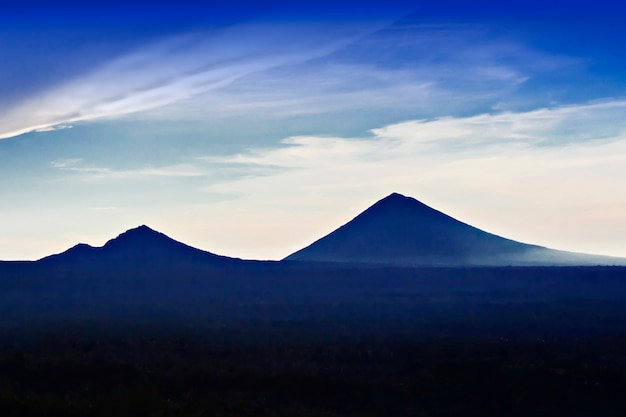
x: 400, y: 230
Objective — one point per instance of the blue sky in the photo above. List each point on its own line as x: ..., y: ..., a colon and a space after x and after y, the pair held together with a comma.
x: 252, y: 129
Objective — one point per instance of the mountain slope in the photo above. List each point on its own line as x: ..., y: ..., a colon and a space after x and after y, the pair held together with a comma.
x: 141, y: 247
x: 400, y: 230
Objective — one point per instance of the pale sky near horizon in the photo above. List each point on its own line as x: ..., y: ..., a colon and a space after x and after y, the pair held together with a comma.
x: 250, y: 130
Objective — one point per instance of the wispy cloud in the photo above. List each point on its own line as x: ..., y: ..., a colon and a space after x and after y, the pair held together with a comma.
x: 453, y: 137
x: 543, y: 127
x: 53, y: 128
x: 299, y: 68
x: 180, y: 67
x: 67, y: 163
x: 409, y: 68
x: 212, y: 169
x: 90, y: 172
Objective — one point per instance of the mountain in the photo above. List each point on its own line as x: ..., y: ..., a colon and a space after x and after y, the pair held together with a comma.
x: 396, y: 231
x: 399, y: 230
x: 139, y: 247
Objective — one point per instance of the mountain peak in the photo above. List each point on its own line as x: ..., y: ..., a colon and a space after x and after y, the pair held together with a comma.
x: 142, y: 227
x: 397, y: 204
x: 140, y: 230
x: 140, y: 235
x: 143, y: 238
x: 395, y: 199
x: 395, y: 196
x: 403, y: 230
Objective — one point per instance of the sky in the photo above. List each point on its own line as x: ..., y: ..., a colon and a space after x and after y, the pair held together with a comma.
x: 254, y: 128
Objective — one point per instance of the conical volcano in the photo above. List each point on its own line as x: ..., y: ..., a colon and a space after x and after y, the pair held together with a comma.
x: 399, y: 230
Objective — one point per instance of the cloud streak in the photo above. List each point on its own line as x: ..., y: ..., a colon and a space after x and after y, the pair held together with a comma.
x: 418, y: 69
x: 209, y: 169
x: 180, y: 67
x: 76, y: 166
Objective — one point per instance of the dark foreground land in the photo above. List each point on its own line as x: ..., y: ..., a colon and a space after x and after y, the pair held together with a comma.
x: 178, y: 376
x: 281, y: 341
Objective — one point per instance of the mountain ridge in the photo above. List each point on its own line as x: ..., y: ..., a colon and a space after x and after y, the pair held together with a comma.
x: 394, y: 231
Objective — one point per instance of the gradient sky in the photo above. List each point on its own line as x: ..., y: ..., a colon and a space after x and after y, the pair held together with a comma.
x: 252, y: 129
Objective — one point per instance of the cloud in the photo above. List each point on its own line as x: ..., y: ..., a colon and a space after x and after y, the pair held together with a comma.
x: 180, y: 67
x: 553, y: 176
x: 90, y: 172
x: 68, y: 163
x: 211, y: 169
x: 281, y: 69
x: 53, y: 128
x: 452, y: 137
x: 543, y: 127
x: 408, y: 69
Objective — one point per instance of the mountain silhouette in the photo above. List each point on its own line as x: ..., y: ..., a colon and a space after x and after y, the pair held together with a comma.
x: 396, y: 231
x: 141, y: 246
x: 400, y: 230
